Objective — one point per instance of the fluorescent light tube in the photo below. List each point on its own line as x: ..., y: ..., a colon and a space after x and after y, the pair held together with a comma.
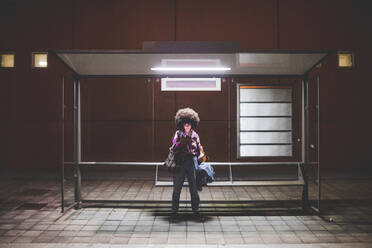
x: 190, y: 69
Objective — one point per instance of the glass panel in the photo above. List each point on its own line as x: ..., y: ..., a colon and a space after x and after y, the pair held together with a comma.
x: 265, y: 150
x: 265, y: 123
x: 7, y: 60
x: 265, y: 109
x: 40, y: 60
x: 265, y: 137
x: 266, y: 95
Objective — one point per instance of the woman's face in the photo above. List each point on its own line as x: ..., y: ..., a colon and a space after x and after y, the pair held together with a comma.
x: 187, y: 127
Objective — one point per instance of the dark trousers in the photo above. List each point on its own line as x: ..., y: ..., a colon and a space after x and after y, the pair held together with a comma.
x: 187, y: 169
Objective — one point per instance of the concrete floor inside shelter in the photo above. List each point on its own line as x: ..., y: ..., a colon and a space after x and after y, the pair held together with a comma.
x: 30, y: 213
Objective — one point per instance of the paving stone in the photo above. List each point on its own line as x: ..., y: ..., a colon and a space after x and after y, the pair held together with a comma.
x: 13, y: 233
x: 213, y: 228
x: 230, y: 228
x: 141, y: 235
x: 55, y: 227
x: 145, y: 222
x: 7, y: 239
x: 160, y: 228
x: 90, y: 228
x: 31, y: 226
x: 142, y: 228
x: 111, y: 222
x: 298, y: 227
x: 107, y: 228
x: 86, y: 233
x: 7, y: 226
x: 67, y: 233
x: 282, y: 228
x: 31, y: 233
x: 73, y: 228
x: 309, y: 238
x: 138, y: 241
x: 125, y: 229
x: 24, y: 240
x: 290, y: 239
x: 50, y: 233
x: 177, y: 228
x: 195, y: 228
x: 43, y: 239
x: 261, y: 223
x: 62, y: 240
x: 265, y: 228
x: 136, y: 226
x: 81, y: 240
x: 234, y: 240
x: 271, y: 239
x: 100, y: 240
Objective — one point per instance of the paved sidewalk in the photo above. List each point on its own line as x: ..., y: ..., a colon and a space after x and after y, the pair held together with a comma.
x: 30, y: 216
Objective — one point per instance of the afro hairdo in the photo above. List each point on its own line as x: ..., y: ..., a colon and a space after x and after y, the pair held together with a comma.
x: 186, y: 115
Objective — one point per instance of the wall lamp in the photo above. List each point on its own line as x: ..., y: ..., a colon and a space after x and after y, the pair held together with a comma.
x: 345, y: 59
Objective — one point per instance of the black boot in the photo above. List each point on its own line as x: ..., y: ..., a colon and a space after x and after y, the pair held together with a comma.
x: 173, y: 217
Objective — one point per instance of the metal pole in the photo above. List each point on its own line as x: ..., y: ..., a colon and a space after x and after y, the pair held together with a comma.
x: 230, y: 170
x: 318, y: 139
x: 303, y: 140
x: 153, y: 121
x: 77, y: 157
x: 78, y: 95
x: 307, y: 123
x: 74, y: 140
x: 300, y: 176
x: 305, y: 190
x: 229, y: 128
x: 63, y: 146
x: 303, y: 120
x: 305, y: 198
x: 238, y: 120
x: 156, y: 173
x: 228, y: 120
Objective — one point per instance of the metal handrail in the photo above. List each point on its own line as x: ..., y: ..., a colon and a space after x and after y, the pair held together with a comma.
x: 161, y: 163
x: 230, y: 164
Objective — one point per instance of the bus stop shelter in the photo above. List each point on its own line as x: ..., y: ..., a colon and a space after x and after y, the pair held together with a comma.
x: 170, y: 60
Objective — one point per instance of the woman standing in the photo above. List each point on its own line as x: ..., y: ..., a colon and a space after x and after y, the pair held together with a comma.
x: 187, y: 148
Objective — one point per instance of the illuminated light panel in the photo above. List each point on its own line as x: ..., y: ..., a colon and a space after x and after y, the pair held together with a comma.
x: 7, y: 60
x: 190, y: 69
x: 191, y: 84
x: 40, y: 60
x: 345, y: 59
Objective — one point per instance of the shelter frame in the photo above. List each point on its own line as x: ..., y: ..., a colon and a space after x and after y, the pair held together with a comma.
x: 302, y: 165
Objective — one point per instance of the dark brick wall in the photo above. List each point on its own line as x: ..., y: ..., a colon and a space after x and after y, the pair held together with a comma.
x: 117, y: 113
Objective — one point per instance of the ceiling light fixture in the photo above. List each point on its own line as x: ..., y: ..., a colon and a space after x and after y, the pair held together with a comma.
x: 190, y: 69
